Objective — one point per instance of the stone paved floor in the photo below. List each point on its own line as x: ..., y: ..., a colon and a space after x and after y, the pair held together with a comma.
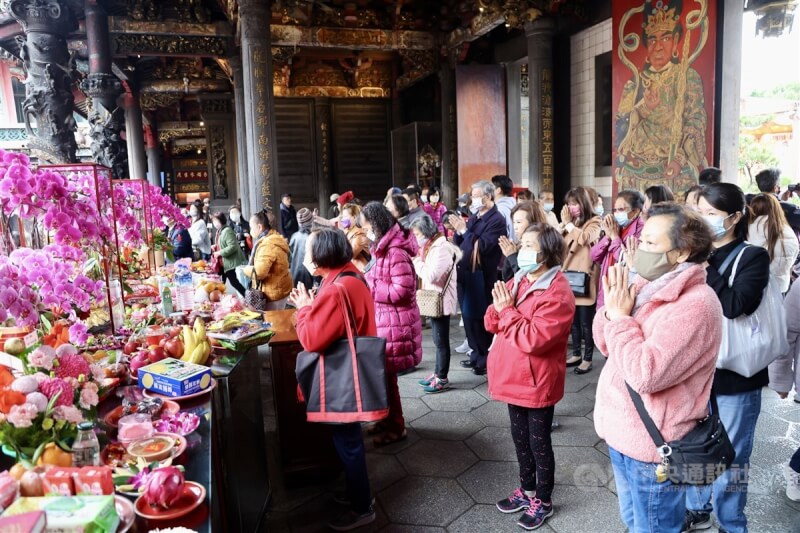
x: 459, y: 460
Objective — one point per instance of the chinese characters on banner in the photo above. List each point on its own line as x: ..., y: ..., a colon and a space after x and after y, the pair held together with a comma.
x: 547, y: 129
x: 663, y: 92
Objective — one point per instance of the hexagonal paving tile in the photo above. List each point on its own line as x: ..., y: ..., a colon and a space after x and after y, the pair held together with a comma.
x: 409, y: 388
x: 314, y: 516
x: 397, y: 447
x: 437, y: 458
x: 582, y: 467
x: 493, y: 444
x: 489, y: 482
x: 574, y: 404
x: 424, y: 501
x: 396, y: 528
x: 595, y: 510
x: 414, y: 408
x: 483, y: 390
x: 589, y: 391
x: 483, y: 518
x: 464, y: 379
x: 454, y: 400
x: 575, y: 431
x: 384, y: 470
x: 493, y: 414
x: 447, y: 425
x: 573, y: 383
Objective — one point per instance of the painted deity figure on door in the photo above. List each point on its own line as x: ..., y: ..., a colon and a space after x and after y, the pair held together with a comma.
x: 661, y: 117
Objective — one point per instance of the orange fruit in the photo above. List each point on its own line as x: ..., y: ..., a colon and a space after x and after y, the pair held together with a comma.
x: 53, y: 455
x: 17, y: 470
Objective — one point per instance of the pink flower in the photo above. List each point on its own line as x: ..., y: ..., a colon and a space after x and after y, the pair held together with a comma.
x: 66, y: 349
x: 98, y: 373
x: 25, y: 384
x: 68, y: 413
x: 78, y: 335
x: 37, y: 399
x: 42, y: 357
x: 88, y: 398
x: 72, y: 365
x: 52, y: 386
x: 22, y: 416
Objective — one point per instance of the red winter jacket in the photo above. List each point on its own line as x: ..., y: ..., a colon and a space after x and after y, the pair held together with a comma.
x: 394, y: 288
x: 526, y: 362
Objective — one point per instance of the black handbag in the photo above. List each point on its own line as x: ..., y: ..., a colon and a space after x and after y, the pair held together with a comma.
x: 579, y: 282
x: 700, y: 457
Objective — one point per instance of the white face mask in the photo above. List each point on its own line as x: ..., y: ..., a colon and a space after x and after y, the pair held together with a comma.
x: 236, y: 216
x: 423, y: 198
x: 193, y: 212
x: 434, y: 199
x: 371, y: 235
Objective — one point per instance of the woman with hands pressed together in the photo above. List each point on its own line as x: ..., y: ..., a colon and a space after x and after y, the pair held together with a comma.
x: 523, y: 215
x: 661, y: 336
x: 530, y: 318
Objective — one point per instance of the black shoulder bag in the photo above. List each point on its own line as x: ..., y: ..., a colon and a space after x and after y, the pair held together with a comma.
x: 700, y: 457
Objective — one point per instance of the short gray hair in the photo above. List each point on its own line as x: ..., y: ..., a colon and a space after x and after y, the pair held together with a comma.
x: 488, y: 188
x: 426, y: 226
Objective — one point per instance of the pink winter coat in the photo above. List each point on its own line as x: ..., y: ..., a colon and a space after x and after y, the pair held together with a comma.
x: 606, y: 249
x: 434, y: 270
x: 393, y: 284
x: 667, y: 352
x: 436, y: 213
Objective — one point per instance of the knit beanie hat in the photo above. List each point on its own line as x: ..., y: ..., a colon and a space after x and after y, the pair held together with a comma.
x: 304, y: 218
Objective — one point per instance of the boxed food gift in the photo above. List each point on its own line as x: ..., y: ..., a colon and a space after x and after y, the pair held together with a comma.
x: 94, y: 480
x: 24, y: 523
x: 72, y: 514
x: 173, y: 377
x: 58, y: 481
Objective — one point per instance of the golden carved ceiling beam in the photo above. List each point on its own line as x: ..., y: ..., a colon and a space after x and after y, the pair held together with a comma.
x: 352, y: 38
x: 482, y: 24
x: 185, y: 86
x: 122, y: 25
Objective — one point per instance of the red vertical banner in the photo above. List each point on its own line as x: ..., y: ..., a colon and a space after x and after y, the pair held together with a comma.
x: 664, y: 57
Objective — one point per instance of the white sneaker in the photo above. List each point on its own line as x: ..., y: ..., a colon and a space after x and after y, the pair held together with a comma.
x: 463, y: 347
x: 461, y: 323
x: 792, y: 483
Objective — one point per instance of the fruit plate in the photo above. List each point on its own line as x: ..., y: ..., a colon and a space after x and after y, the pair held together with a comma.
x: 169, y: 408
x: 117, y: 457
x: 150, y: 394
x: 193, y: 495
x: 126, y: 513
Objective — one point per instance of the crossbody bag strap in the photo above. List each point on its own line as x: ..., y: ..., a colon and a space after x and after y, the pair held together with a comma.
x: 450, y: 275
x: 651, y: 427
x: 728, y: 260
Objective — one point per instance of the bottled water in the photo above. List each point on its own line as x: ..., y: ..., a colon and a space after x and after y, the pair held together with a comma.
x: 86, y: 449
x: 184, y: 290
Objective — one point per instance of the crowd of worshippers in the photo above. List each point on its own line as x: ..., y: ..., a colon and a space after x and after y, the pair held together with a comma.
x: 664, y: 288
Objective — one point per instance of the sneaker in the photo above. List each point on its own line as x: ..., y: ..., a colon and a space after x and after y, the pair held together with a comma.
x: 514, y: 503
x: 341, y: 498
x: 536, y: 515
x: 350, y: 520
x: 792, y: 483
x: 437, y: 385
x: 427, y: 381
x: 696, y: 521
x: 554, y: 424
x: 463, y: 347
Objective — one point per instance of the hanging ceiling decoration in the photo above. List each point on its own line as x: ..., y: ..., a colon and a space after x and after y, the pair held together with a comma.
x: 774, y: 16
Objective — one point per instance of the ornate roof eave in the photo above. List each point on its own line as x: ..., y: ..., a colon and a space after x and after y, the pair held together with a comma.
x: 352, y: 38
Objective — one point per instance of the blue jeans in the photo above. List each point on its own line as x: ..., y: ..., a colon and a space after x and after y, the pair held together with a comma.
x: 728, y: 495
x: 440, y: 327
x: 350, y: 446
x: 645, y: 505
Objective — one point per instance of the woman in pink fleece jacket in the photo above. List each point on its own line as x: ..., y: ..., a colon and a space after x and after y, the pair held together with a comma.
x: 661, y: 335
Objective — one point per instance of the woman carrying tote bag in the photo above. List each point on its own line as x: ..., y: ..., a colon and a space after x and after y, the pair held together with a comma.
x: 321, y: 325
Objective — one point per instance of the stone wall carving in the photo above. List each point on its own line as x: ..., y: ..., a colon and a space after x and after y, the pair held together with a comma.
x: 133, y: 44
x: 152, y: 101
x: 106, y: 124
x: 49, y: 102
x: 218, y: 161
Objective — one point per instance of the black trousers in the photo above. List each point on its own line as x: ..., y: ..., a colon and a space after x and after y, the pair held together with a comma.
x: 230, y: 276
x: 530, y: 430
x: 582, y: 331
x: 349, y: 445
x: 479, y: 341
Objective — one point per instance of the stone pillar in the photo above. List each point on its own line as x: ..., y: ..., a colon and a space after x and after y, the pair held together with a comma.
x: 514, y: 123
x: 450, y: 190
x: 106, y: 117
x: 218, y: 117
x: 134, y: 132
x: 540, y: 91
x: 241, y: 133
x: 730, y: 92
x: 49, y: 101
x: 153, y: 156
x: 254, y: 16
x: 322, y: 129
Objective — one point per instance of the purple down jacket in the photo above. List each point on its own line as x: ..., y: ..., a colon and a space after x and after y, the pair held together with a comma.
x: 393, y: 284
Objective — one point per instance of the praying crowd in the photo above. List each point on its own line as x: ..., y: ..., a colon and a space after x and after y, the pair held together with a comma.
x: 689, y: 299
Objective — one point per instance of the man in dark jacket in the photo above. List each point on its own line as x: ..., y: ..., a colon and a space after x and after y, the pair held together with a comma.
x: 477, y: 273
x: 180, y: 239
x: 288, y: 217
x: 769, y: 182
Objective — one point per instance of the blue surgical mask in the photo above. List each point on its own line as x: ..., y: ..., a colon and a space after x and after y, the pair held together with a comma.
x: 598, y: 210
x: 622, y: 219
x: 526, y: 259
x: 548, y: 207
x: 717, y: 225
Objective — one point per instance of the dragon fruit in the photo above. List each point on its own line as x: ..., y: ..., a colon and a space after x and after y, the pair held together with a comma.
x: 164, y: 487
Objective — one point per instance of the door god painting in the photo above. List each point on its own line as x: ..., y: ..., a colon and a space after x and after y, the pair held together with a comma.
x: 663, y: 92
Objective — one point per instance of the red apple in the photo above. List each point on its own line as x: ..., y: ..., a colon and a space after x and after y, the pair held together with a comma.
x: 156, y: 354
x: 174, y: 348
x: 173, y: 332
x: 215, y: 296
x: 138, y: 362
x: 130, y: 347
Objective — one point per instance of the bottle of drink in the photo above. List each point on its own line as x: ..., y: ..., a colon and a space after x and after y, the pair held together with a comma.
x: 184, y: 289
x: 166, y: 301
x: 86, y: 449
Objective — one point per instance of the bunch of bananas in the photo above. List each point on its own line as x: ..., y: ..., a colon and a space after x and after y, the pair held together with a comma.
x: 196, y: 347
x: 233, y: 321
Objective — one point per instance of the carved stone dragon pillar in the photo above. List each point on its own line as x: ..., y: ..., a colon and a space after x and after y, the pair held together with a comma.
x: 49, y: 102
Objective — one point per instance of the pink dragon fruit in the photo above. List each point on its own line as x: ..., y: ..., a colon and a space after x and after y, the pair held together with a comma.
x: 164, y: 487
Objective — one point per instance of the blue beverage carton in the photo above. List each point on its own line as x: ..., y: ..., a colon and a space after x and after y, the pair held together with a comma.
x: 174, y: 378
